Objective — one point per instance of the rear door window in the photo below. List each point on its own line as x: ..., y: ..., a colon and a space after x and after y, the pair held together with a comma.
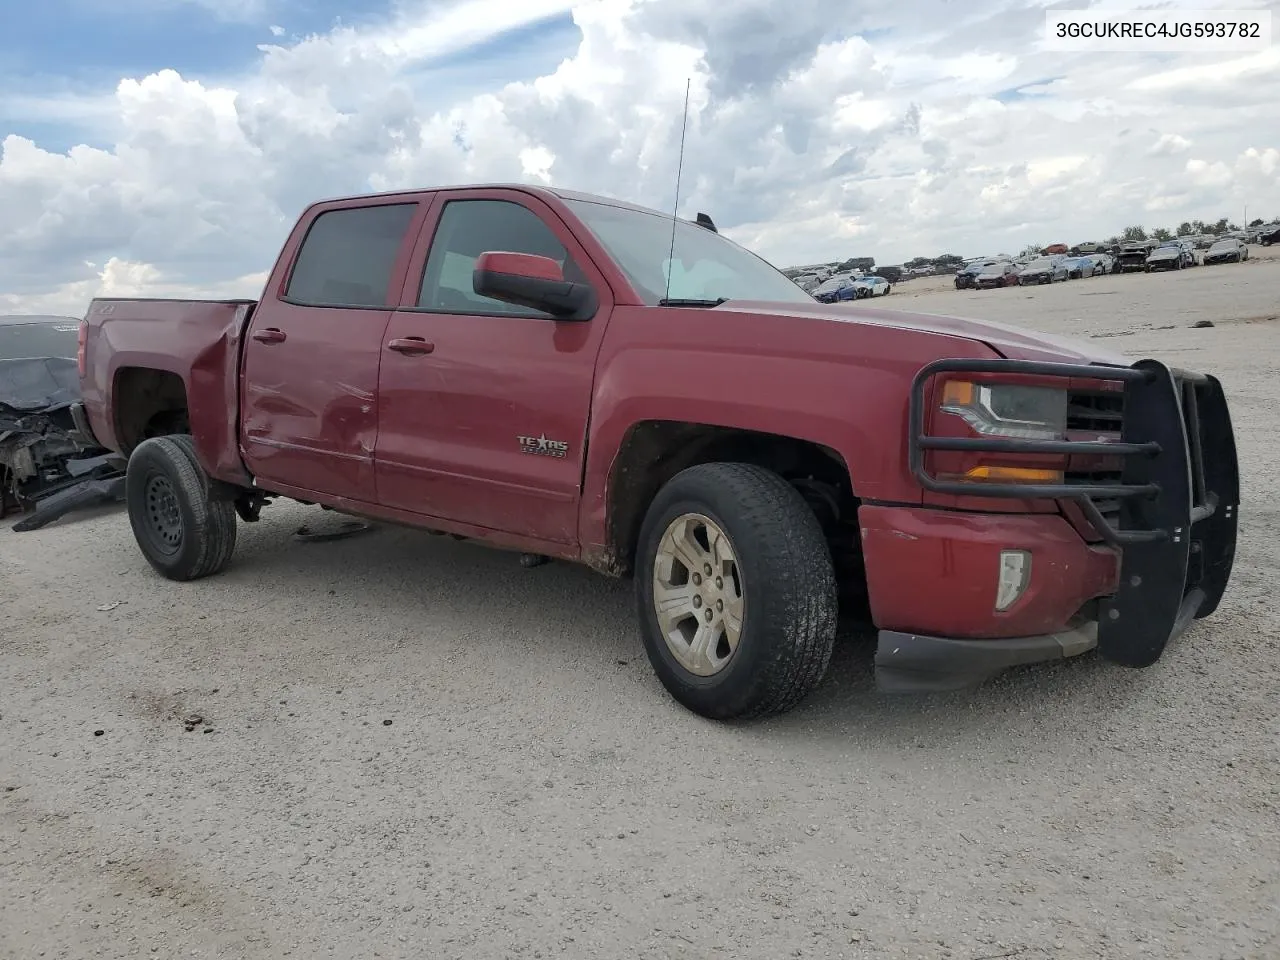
x: 348, y: 255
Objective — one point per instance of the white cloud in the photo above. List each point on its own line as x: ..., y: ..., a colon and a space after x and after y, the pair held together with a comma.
x: 1169, y: 144
x: 816, y: 131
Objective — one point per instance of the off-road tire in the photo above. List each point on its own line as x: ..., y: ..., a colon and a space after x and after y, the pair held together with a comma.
x: 203, y: 538
x: 789, y: 590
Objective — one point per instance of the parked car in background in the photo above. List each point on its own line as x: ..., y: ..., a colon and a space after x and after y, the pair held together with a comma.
x: 1003, y: 274
x: 1269, y: 235
x: 1133, y: 255
x: 1227, y: 251
x: 1105, y: 262
x: 1171, y: 255
x: 870, y: 286
x: 44, y: 449
x: 1055, y: 248
x: 808, y: 282
x: 966, y: 275
x: 1078, y: 267
x: 1043, y: 270
x: 834, y: 290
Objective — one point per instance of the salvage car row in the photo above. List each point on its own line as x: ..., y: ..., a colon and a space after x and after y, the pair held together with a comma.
x: 1146, y: 256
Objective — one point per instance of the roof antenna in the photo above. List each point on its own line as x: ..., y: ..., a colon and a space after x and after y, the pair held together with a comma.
x: 675, y: 213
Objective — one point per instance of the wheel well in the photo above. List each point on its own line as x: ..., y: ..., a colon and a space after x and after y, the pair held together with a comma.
x: 655, y: 451
x: 148, y: 403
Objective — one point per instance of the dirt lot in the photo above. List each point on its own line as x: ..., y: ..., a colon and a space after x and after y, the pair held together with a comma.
x: 420, y: 750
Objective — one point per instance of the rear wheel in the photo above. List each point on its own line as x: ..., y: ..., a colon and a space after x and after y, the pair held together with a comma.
x: 736, y: 592
x: 181, y: 530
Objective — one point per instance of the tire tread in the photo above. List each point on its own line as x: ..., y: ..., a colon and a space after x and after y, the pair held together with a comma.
x: 213, y: 524
x: 800, y: 606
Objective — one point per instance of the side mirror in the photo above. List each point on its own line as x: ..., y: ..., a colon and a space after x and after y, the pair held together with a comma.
x: 531, y: 281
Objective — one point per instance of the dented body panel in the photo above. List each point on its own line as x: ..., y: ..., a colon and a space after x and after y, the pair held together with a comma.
x: 198, y: 342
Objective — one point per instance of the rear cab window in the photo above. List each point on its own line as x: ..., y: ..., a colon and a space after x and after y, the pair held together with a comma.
x: 348, y: 255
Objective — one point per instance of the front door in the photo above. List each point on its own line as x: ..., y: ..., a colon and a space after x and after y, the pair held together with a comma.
x: 486, y: 421
x: 311, y: 353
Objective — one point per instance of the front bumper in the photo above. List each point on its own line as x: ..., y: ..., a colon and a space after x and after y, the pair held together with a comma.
x: 911, y: 663
x: 1172, y: 536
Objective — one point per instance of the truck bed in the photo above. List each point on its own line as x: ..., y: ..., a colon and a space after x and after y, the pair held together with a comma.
x: 181, y: 350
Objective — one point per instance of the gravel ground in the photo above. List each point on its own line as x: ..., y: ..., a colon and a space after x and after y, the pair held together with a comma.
x: 409, y: 747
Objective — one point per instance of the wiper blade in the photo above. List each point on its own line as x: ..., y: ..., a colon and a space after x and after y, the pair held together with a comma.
x: 678, y: 302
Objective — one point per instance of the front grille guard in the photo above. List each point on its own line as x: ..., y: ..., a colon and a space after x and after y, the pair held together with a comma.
x: 1178, y: 491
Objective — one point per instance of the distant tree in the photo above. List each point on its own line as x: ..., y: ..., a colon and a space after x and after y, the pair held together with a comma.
x: 1031, y: 250
x: 1134, y: 233
x: 1185, y: 228
x: 1256, y: 223
x: 1161, y: 234
x: 1222, y: 226
x: 1199, y: 226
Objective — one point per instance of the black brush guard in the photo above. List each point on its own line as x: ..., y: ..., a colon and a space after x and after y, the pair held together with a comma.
x: 1179, y: 492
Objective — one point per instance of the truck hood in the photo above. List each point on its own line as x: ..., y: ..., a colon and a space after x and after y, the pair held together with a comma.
x: 1013, y: 343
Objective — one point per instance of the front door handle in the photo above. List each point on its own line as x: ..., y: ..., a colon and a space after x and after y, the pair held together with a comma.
x: 411, y: 346
x: 269, y: 335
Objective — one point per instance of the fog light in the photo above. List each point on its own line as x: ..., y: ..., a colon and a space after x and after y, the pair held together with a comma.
x: 1015, y: 574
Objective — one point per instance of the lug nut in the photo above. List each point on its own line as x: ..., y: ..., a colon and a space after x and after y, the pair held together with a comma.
x: 719, y: 604
x: 697, y: 602
x: 719, y: 583
x: 706, y: 568
x: 697, y: 579
x: 709, y: 616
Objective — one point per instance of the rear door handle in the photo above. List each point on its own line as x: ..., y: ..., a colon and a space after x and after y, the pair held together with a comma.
x: 269, y: 335
x: 411, y: 346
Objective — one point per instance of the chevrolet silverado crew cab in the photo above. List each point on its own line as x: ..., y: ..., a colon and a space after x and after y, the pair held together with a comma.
x: 575, y: 377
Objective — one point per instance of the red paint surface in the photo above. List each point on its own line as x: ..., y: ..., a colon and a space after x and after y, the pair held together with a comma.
x: 935, y: 572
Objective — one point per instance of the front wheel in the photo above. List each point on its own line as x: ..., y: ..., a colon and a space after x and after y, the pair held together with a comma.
x: 181, y: 530
x: 736, y: 591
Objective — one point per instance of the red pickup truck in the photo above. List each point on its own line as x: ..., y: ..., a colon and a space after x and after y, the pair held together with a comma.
x: 576, y: 377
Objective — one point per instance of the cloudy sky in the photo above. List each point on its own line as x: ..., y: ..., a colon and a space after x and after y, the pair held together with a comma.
x: 164, y: 147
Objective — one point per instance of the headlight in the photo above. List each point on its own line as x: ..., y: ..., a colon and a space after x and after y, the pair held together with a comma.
x: 1007, y: 410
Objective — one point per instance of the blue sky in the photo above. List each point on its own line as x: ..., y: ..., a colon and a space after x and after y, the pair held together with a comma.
x: 78, y: 50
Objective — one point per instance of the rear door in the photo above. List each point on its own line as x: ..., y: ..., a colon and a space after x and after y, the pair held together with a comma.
x: 489, y: 426
x: 310, y: 370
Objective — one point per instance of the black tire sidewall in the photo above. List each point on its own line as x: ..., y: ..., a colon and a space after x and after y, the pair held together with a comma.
x: 158, y: 456
x: 736, y: 689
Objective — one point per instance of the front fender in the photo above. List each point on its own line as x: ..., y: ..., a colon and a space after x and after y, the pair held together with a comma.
x: 842, y: 385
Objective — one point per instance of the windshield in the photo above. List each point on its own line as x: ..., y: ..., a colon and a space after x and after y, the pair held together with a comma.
x: 47, y: 339
x: 1223, y: 244
x: 707, y: 266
